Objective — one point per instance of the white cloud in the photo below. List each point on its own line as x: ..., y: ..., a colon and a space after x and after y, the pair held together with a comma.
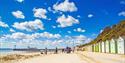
x: 29, y: 25
x: 49, y: 19
x: 50, y: 9
x: 67, y: 21
x: 2, y: 24
x: 88, y: 40
x: 37, y: 39
x: 79, y: 30
x: 57, y: 42
x: 80, y: 39
x: 18, y: 14
x: 65, y: 6
x: 121, y: 13
x: 122, y: 2
x: 101, y: 31
x: 90, y: 15
x: 69, y: 31
x: 94, y: 35
x: 34, y: 36
x: 12, y: 30
x: 78, y: 16
x: 40, y: 13
x: 20, y: 1
x: 49, y: 35
x: 53, y: 26
x: 19, y: 35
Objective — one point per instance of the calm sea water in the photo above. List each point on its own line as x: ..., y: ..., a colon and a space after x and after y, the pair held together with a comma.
x: 9, y: 51
x: 6, y: 51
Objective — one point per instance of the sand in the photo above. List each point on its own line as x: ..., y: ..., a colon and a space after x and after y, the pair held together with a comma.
x: 54, y: 58
x: 95, y: 57
x: 11, y: 58
x: 77, y: 57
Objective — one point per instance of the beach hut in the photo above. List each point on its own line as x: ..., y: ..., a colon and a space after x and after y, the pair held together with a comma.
x: 103, y: 46
x: 96, y: 47
x: 92, y: 47
x: 112, y: 46
x: 107, y: 46
x: 100, y: 47
x: 121, y: 45
x: 89, y: 48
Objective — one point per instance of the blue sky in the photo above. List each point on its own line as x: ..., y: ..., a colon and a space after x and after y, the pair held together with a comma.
x: 52, y: 21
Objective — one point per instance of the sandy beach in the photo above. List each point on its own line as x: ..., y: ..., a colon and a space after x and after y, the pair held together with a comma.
x: 14, y: 57
x: 77, y: 57
x: 55, y: 58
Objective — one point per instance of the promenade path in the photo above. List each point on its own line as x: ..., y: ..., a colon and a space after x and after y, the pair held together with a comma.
x: 79, y: 57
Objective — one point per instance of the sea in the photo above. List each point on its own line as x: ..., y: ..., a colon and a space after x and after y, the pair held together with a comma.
x: 6, y: 51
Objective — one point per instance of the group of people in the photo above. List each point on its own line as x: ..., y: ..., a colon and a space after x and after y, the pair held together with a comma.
x: 64, y: 50
x: 67, y: 50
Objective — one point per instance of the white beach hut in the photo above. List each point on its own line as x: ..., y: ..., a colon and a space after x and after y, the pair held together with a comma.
x: 121, y: 45
x: 99, y: 46
x: 107, y: 46
x: 112, y: 46
x: 103, y: 46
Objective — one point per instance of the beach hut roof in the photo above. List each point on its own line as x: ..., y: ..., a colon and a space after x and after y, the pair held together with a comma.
x: 123, y: 37
x: 114, y: 39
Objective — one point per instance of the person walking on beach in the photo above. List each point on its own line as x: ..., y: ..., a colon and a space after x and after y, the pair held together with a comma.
x: 68, y: 49
x: 56, y: 50
x: 73, y: 49
x: 63, y: 50
x: 45, y: 50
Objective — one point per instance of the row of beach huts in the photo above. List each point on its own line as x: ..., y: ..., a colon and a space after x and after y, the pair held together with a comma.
x: 115, y: 46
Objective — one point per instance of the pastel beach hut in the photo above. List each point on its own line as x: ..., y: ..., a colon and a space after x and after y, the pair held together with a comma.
x: 100, y: 50
x: 113, y: 46
x: 103, y: 47
x: 121, y: 45
x: 107, y: 46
